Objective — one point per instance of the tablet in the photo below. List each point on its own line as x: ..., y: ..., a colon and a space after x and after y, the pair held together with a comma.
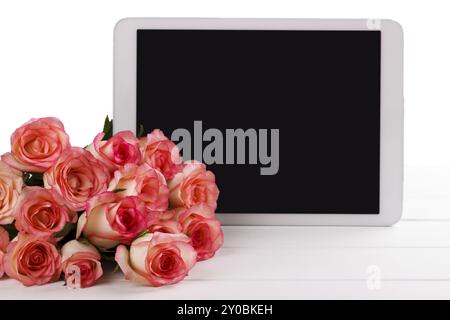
x: 300, y: 120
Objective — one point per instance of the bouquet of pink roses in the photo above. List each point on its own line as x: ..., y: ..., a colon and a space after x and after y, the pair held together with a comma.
x: 131, y: 199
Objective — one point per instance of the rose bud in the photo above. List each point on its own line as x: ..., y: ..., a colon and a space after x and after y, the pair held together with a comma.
x: 200, y: 224
x: 144, y: 182
x: 77, y: 176
x: 11, y: 183
x: 32, y: 260
x: 166, y: 226
x: 4, y: 241
x: 157, y: 259
x: 161, y: 153
x: 120, y: 149
x: 41, y: 212
x: 81, y: 259
x: 111, y: 219
x: 37, y: 145
x: 193, y: 185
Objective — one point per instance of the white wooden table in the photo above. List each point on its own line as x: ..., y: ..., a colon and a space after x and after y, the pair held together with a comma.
x: 409, y: 260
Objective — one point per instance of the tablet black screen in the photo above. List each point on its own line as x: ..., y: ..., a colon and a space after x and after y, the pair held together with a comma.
x: 317, y: 91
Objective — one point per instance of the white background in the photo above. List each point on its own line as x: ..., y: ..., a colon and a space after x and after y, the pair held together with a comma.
x: 56, y: 59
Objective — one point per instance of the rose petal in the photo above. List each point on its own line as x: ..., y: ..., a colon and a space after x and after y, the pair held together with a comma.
x: 122, y: 258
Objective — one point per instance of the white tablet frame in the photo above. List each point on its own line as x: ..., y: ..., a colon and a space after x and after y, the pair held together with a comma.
x: 391, y: 133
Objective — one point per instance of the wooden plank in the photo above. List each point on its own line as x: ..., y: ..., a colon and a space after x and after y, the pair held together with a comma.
x: 421, y: 234
x: 325, y: 264
x: 410, y: 260
x: 276, y: 289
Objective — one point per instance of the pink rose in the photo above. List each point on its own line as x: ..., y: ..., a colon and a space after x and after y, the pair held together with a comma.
x: 157, y: 259
x: 2, y: 269
x: 37, y: 145
x: 194, y: 185
x: 200, y: 224
x: 32, y: 260
x: 81, y: 264
x: 144, y: 182
x: 166, y: 226
x: 77, y: 176
x: 111, y: 219
x: 171, y: 214
x: 117, y: 151
x: 161, y: 153
x: 4, y: 240
x: 11, y: 183
x: 41, y: 212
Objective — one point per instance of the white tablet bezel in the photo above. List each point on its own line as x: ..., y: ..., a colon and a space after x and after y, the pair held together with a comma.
x: 391, y: 133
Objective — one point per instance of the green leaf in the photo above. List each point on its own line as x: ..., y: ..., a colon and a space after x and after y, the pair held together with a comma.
x: 11, y: 229
x: 33, y: 179
x: 142, y: 233
x: 141, y: 131
x: 84, y: 241
x: 108, y: 254
x: 116, y: 268
x: 108, y: 128
x: 107, y: 251
x: 64, y: 231
x: 119, y: 190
